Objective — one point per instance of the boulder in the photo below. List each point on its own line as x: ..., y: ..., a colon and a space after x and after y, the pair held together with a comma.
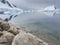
x: 6, y: 38
x: 13, y: 29
x: 24, y: 38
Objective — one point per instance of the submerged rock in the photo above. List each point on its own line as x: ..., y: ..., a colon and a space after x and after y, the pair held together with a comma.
x: 13, y: 35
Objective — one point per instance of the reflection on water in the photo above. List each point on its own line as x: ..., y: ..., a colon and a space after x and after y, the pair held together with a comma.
x: 45, y: 27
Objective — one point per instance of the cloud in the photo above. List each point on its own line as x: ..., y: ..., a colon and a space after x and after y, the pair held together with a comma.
x: 34, y: 4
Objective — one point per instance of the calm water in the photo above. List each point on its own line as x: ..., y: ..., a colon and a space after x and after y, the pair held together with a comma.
x: 45, y: 27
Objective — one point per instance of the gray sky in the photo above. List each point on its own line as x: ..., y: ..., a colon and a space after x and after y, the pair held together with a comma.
x: 35, y: 4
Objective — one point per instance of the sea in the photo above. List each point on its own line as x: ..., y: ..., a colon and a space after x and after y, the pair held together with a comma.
x: 43, y: 26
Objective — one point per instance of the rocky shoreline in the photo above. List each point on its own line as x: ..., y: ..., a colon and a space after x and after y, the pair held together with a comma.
x: 13, y: 35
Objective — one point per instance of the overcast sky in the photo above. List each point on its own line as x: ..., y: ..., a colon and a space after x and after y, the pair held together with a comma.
x: 35, y: 4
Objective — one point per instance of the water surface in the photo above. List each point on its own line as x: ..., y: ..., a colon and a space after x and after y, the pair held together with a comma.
x: 41, y: 25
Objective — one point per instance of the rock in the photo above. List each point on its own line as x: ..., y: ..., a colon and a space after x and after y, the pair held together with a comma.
x: 1, y: 12
x: 13, y: 35
x: 8, y: 27
x: 14, y: 29
x: 4, y: 25
x: 6, y: 38
x: 24, y: 38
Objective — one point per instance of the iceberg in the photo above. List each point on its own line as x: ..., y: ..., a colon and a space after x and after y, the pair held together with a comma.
x: 50, y: 8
